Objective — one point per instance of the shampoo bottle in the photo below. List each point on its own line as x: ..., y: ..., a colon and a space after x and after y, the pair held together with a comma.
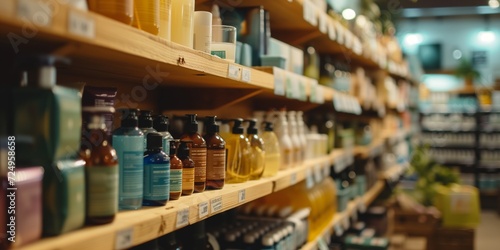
x: 120, y: 10
x: 257, y: 154
x: 238, y: 155
x: 198, y: 151
x: 294, y: 136
x: 216, y: 155
x: 175, y: 171
x: 286, y: 145
x: 160, y: 124
x: 101, y: 172
x: 146, y: 125
x: 187, y: 168
x: 273, y: 151
x: 147, y: 15
x: 183, y: 22
x: 156, y: 172
x: 128, y: 142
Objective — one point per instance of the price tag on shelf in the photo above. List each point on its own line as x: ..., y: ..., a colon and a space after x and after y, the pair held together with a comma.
x: 216, y: 204
x: 279, y: 81
x: 81, y: 25
x: 182, y: 218
x: 36, y: 12
x: 123, y: 238
x: 202, y: 210
x: 246, y: 75
x: 233, y: 71
x: 332, y: 33
x: 241, y: 196
x: 293, y: 179
x: 318, y: 176
x: 309, y: 178
x: 323, y: 22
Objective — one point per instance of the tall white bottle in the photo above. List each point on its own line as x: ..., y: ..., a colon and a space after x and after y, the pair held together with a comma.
x: 301, y: 129
x: 281, y: 130
x: 293, y: 132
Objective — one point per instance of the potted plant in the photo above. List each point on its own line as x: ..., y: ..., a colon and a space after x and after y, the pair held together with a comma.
x: 466, y: 70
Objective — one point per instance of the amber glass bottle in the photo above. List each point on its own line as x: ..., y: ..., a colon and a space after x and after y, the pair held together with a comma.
x: 175, y: 172
x: 187, y: 168
x: 198, y: 152
x: 120, y: 10
x: 216, y: 155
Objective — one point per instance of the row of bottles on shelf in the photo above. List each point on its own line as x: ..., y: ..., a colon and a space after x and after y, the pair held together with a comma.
x: 448, y: 139
x: 489, y: 140
x: 453, y: 156
x: 446, y: 102
x: 455, y: 122
x: 490, y: 122
x: 490, y: 156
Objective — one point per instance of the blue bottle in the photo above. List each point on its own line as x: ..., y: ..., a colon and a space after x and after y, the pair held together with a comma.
x: 128, y: 142
x: 156, y: 172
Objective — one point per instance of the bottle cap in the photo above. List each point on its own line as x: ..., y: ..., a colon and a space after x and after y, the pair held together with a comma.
x: 145, y: 119
x: 211, y: 125
x: 160, y: 123
x: 237, y: 128
x: 191, y: 126
x: 129, y: 118
x: 268, y: 126
x: 183, y: 150
x: 154, y: 141
x: 202, y: 18
x: 173, y: 146
x: 252, y: 130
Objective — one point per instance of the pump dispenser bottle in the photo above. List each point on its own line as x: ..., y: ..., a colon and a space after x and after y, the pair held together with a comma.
x: 216, y: 155
x: 198, y: 151
x: 187, y: 168
x: 286, y: 145
x: 146, y: 125
x: 156, y: 172
x: 160, y: 124
x: 175, y: 171
x: 257, y: 153
x: 238, y: 155
x: 128, y: 142
x: 273, y: 151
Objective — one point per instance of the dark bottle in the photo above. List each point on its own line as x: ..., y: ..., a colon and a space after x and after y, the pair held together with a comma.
x: 156, y: 172
x: 216, y: 155
x: 198, y: 151
x: 101, y: 172
x: 175, y: 172
x: 187, y: 168
x: 146, y: 125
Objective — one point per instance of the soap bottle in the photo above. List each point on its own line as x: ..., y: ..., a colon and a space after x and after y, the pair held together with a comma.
x: 286, y: 145
x: 101, y: 171
x: 187, y: 168
x: 238, y: 154
x: 147, y: 15
x: 160, y: 124
x: 146, y: 125
x: 294, y: 136
x: 120, y: 10
x: 301, y: 129
x: 175, y: 171
x: 128, y: 142
x: 156, y: 172
x: 257, y: 155
x: 165, y: 19
x: 216, y: 155
x: 183, y: 22
x: 198, y: 152
x: 273, y: 151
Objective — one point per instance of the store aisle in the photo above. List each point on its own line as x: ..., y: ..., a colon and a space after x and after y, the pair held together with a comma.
x: 487, y: 236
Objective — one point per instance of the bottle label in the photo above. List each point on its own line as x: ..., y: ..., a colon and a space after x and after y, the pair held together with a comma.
x: 102, y: 190
x: 166, y: 146
x: 156, y: 181
x: 219, y: 53
x: 199, y: 156
x: 130, y: 152
x: 175, y: 180
x: 216, y: 164
x: 188, y: 179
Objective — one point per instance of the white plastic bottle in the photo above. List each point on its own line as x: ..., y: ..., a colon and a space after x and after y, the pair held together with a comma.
x: 301, y: 129
x: 281, y: 130
x: 293, y: 132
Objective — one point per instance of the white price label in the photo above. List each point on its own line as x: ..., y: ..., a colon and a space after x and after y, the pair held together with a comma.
x: 241, y: 196
x: 309, y: 178
x: 233, y: 71
x: 81, y: 25
x: 123, y: 238
x: 246, y: 75
x: 35, y: 11
x: 203, y: 210
x: 332, y: 33
x: 216, y: 204
x: 279, y: 81
x: 182, y: 218
x: 293, y: 179
x: 323, y: 22
x: 318, y: 176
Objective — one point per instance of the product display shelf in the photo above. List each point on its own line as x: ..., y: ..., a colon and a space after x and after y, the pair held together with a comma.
x: 372, y: 150
x: 341, y: 221
x: 393, y: 173
x: 107, y: 49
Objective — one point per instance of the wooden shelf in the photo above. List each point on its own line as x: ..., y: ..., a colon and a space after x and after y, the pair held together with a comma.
x: 373, y: 150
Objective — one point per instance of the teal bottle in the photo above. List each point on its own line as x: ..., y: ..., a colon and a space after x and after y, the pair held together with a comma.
x: 160, y: 124
x: 146, y: 125
x: 156, y: 172
x: 128, y: 142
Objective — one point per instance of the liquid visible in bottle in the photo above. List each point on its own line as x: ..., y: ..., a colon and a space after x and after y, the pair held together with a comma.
x: 147, y: 15
x: 119, y: 10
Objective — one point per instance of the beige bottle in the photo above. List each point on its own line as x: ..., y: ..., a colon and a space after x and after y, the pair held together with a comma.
x: 182, y: 22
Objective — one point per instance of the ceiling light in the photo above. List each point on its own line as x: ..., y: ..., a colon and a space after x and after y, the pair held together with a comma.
x: 348, y: 14
x: 413, y: 39
x: 486, y: 36
x: 493, y: 4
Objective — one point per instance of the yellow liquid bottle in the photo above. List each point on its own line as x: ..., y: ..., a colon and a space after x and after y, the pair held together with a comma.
x: 147, y: 15
x: 258, y: 155
x: 165, y: 19
x: 182, y: 22
x: 238, y: 155
x: 119, y: 10
x: 273, y: 151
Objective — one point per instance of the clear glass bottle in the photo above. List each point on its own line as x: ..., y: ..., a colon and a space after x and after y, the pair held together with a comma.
x: 176, y: 167
x: 101, y: 170
x: 182, y: 22
x: 216, y: 155
x: 147, y: 15
x: 128, y: 142
x: 198, y: 152
x: 187, y: 168
x: 294, y: 136
x: 257, y: 154
x: 120, y: 10
x: 238, y: 154
x: 273, y: 151
x: 156, y: 172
